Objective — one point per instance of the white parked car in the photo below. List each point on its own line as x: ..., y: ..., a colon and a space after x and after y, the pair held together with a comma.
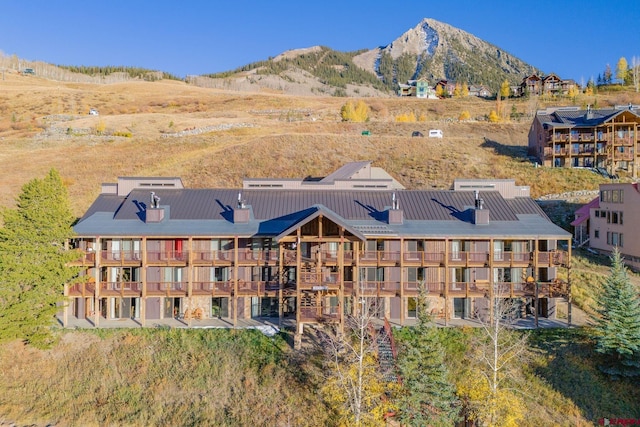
x: 435, y: 133
x: 93, y: 112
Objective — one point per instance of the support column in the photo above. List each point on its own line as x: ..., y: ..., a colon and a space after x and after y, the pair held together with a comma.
x: 96, y: 302
x: 143, y: 280
x: 299, y: 325
x: 234, y: 297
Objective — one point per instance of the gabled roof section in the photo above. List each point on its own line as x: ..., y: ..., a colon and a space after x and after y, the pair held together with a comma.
x: 569, y: 117
x: 315, y: 212
x: 582, y: 214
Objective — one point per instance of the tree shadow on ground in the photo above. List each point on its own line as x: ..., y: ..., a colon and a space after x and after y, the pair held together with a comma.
x: 516, y: 152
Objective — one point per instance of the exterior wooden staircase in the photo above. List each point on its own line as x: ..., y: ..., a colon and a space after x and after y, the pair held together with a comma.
x: 387, y: 352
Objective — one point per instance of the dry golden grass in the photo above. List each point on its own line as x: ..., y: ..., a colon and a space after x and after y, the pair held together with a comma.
x: 271, y: 135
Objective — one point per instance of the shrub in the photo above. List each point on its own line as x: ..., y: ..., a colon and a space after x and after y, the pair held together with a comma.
x: 494, y: 117
x: 465, y: 115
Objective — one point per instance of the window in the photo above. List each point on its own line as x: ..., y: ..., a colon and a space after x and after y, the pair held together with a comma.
x: 596, y: 234
x: 614, y: 239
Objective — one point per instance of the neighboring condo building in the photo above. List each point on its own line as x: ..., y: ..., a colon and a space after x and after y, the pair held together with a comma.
x: 611, y: 222
x: 570, y: 137
x: 308, y: 253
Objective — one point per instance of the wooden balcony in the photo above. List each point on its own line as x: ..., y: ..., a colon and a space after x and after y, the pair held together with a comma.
x: 468, y: 259
x: 319, y: 281
x: 212, y: 257
x: 432, y: 288
x: 168, y: 289
x: 86, y: 259
x: 381, y: 258
x: 213, y: 289
x: 553, y: 259
x: 121, y: 258
x: 257, y: 287
x: 512, y: 259
x: 167, y: 257
x: 374, y: 288
x: 257, y: 257
x: 120, y: 289
x: 84, y: 289
x: 423, y: 259
x: 319, y: 314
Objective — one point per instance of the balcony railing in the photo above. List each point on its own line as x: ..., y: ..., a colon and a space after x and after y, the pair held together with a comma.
x: 257, y: 287
x: 211, y: 256
x: 433, y: 288
x: 167, y: 288
x: 212, y: 288
x: 120, y: 288
x: 82, y: 289
x: 120, y: 256
x: 424, y: 258
x: 318, y: 313
x: 326, y: 280
x: 260, y: 255
x: 167, y: 256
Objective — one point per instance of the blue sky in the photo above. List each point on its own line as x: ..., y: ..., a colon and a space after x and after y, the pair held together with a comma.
x: 574, y: 39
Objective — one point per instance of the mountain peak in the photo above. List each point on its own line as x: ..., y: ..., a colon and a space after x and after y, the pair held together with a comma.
x: 435, y: 50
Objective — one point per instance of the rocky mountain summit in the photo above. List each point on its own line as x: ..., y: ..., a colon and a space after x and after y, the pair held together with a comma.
x: 435, y: 50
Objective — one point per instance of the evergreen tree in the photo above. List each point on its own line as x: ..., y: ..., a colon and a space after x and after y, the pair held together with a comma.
x: 618, y: 328
x: 428, y: 397
x: 33, y: 260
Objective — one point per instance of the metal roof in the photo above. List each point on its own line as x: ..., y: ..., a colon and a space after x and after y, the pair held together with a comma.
x: 209, y: 212
x: 580, y: 118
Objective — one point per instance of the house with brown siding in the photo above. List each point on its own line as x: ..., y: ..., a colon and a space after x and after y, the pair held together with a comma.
x: 156, y: 251
x: 570, y: 137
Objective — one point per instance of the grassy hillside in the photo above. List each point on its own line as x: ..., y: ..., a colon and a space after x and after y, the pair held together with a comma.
x: 215, y: 138
x: 238, y: 378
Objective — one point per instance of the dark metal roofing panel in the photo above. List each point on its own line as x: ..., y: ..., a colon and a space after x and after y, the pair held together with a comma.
x: 210, y: 211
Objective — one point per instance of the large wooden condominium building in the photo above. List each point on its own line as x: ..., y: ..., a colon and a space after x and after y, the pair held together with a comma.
x: 570, y: 137
x: 312, y: 250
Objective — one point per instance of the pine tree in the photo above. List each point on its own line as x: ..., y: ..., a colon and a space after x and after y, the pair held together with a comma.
x: 33, y: 260
x: 428, y: 397
x: 618, y: 328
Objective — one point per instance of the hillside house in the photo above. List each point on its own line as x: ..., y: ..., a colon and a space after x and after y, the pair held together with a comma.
x: 531, y: 85
x: 154, y: 251
x: 534, y: 85
x: 481, y: 91
x: 419, y: 88
x: 570, y: 137
x: 609, y: 222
